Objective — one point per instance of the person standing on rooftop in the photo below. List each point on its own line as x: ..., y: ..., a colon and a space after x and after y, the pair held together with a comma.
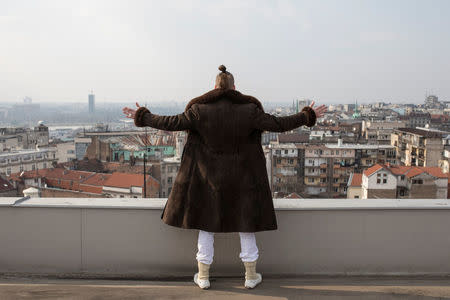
x: 222, y: 183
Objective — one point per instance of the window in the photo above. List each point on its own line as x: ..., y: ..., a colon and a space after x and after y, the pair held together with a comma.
x: 285, y: 151
x: 337, y: 152
x: 33, y: 167
x: 8, y: 171
x: 384, y: 180
x: 169, y: 179
x: 417, y: 181
x: 378, y: 180
x: 402, y: 177
x: 356, y: 197
x: 278, y: 152
x: 291, y: 161
x: 378, y: 175
x: 310, y: 179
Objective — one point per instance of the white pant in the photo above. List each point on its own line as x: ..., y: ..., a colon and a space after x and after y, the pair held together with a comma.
x: 249, y: 250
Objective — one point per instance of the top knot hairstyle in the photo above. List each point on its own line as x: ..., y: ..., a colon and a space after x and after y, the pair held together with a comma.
x: 225, y: 79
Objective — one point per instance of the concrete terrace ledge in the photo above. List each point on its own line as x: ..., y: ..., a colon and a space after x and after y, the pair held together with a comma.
x: 120, y: 237
x: 280, y: 204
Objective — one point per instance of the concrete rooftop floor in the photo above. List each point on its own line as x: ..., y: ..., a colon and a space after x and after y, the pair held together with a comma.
x: 314, y: 287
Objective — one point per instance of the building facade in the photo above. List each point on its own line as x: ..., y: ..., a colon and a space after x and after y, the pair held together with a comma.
x: 417, y: 147
x: 25, y: 160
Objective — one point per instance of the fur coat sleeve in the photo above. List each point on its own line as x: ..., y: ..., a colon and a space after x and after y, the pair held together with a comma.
x: 268, y: 122
x: 183, y: 121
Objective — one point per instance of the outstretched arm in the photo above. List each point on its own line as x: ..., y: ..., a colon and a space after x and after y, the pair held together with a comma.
x: 143, y: 117
x: 307, y: 116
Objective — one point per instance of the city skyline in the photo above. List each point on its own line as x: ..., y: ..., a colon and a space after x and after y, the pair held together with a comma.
x: 331, y: 51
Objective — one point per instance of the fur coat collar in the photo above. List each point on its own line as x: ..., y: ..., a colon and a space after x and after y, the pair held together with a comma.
x: 216, y: 94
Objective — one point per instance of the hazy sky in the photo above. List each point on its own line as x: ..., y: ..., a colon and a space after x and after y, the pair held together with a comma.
x: 277, y: 50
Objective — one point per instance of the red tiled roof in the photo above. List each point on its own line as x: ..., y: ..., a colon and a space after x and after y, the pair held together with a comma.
x: 408, y: 171
x: 372, y: 169
x: 126, y: 180
x: 356, y: 179
x: 98, y: 179
x: 28, y: 174
x: 94, y: 184
x: 434, y: 171
x: 399, y: 170
x: 63, y: 174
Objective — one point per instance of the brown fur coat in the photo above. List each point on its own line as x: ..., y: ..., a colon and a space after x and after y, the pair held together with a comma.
x: 222, y: 184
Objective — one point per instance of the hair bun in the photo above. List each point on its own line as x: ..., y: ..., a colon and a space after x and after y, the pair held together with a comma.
x: 223, y: 68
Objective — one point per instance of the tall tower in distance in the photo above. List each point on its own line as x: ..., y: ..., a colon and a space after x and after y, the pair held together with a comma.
x: 91, y: 98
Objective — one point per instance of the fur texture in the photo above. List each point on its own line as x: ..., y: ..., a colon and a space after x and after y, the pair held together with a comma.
x: 139, y: 116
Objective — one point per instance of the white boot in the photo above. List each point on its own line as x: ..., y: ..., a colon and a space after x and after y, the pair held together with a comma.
x: 202, y: 277
x: 252, y: 279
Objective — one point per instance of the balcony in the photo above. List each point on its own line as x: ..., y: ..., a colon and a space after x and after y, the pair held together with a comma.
x: 125, y: 238
x: 323, y: 166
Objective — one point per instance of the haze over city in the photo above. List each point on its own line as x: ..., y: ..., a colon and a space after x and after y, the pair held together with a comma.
x: 331, y: 51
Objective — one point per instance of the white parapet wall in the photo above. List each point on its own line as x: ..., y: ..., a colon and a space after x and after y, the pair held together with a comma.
x: 126, y: 238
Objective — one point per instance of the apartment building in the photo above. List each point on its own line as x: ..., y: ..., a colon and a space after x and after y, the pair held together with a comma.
x: 320, y: 170
x: 418, y: 147
x: 286, y: 168
x: 327, y: 170
x: 65, y: 152
x: 169, y: 170
x: 378, y: 132
x: 20, y: 138
x: 387, y: 181
x: 416, y: 119
x: 367, y: 155
x: 24, y: 160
